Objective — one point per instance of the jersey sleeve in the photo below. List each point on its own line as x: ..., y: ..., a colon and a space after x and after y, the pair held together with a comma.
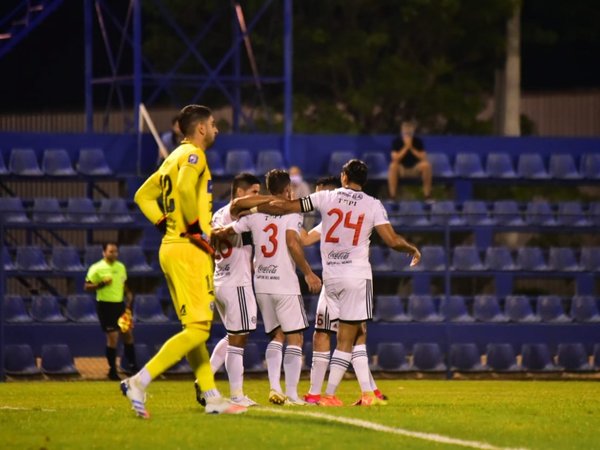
x: 241, y: 225
x: 294, y: 223
x: 317, y: 229
x: 194, y: 159
x: 92, y: 274
x: 314, y: 202
x: 380, y: 215
x: 146, y: 198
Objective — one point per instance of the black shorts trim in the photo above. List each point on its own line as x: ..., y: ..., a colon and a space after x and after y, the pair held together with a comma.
x: 355, y: 322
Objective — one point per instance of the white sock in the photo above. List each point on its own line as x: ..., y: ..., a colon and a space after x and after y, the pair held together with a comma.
x: 292, y: 366
x: 320, y: 362
x: 143, y: 378
x: 372, y: 380
x: 234, y: 364
x: 337, y: 368
x: 217, y: 358
x: 274, y: 355
x: 360, y: 362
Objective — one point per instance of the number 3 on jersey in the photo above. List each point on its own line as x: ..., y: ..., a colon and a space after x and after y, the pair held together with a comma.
x: 356, y: 226
x: 272, y: 228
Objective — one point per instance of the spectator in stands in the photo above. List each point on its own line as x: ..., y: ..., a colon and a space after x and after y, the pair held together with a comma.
x: 300, y: 187
x: 408, y: 159
x: 171, y: 139
x: 107, y: 278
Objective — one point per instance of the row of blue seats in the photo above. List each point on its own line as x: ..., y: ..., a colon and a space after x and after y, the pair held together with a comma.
x: 77, y: 210
x: 497, y: 213
x: 500, y: 258
x: 67, y: 258
x: 486, y: 308
x: 55, y: 162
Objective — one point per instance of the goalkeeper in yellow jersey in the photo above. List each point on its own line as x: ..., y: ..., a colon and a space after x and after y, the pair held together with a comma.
x: 107, y: 278
x: 184, y: 187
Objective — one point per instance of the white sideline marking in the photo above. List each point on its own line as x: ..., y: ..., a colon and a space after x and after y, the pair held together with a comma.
x: 379, y: 427
x: 19, y: 408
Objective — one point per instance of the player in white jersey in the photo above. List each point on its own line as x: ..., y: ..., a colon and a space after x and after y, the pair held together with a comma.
x: 278, y: 251
x: 349, y: 217
x: 233, y: 291
x: 325, y: 324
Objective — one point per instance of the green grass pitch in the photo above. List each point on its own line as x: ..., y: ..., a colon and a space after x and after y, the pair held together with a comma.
x: 501, y: 414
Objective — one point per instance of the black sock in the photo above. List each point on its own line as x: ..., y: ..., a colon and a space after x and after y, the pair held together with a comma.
x: 129, y: 351
x: 111, y: 356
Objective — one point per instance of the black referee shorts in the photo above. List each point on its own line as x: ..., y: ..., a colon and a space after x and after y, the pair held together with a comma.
x: 109, y: 313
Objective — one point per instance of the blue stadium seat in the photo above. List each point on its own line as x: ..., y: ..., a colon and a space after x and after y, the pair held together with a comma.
x: 11, y: 209
x: 412, y: 213
x: 531, y: 258
x: 312, y: 253
x: 92, y: 254
x: 502, y: 358
x: 47, y: 210
x: 269, y: 159
x: 3, y: 169
x: 7, y: 261
x: 594, y: 213
x: 506, y: 212
x: 486, y: 308
x: 518, y: 309
x: 389, y: 308
x: 391, y: 356
x: 93, y: 162
x: 537, y: 358
x: 540, y: 213
x: 590, y: 258
x: 378, y: 259
x: 399, y: 260
x: 433, y: 257
x: 444, y: 213
x: 377, y: 164
x: 468, y: 165
x: 440, y: 165
x: 239, y: 160
x: 66, y: 259
x: 142, y: 356
x: 454, y: 309
x: 550, y: 309
x: 499, y: 258
x: 45, y: 308
x: 563, y: 259
x: 14, y: 310
x: 571, y: 214
x: 147, y: 308
x: 115, y: 210
x: 337, y: 161
x: 307, y: 352
x: 391, y: 207
x: 428, y: 357
x: 596, y: 355
x: 421, y: 308
x: 475, y: 212
x: 590, y: 166
x: 572, y: 357
x: 57, y: 360
x: 531, y: 165
x: 181, y: 367
x: 81, y: 210
x: 31, y: 258
x: 584, y: 308
x: 500, y: 165
x: 465, y: 357
x: 562, y: 166
x: 56, y: 162
x: 19, y: 360
x: 215, y: 163
x: 310, y: 306
x: 134, y: 258
x: 23, y: 161
x: 81, y: 308
x: 466, y: 258
x: 253, y: 360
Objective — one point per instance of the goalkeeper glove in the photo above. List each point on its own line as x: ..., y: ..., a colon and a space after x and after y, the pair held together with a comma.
x: 198, y: 238
x: 125, y: 322
x: 161, y: 225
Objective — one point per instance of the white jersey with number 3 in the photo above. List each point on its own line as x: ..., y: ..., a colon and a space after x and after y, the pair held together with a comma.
x: 274, y: 268
x: 348, y: 219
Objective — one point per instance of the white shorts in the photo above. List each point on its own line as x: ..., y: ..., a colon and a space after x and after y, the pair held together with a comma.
x: 349, y: 299
x: 282, y: 310
x: 324, y: 321
x: 237, y: 308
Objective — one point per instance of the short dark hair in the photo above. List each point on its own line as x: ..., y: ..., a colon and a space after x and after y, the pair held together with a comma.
x: 106, y: 244
x: 277, y: 181
x: 189, y: 117
x: 329, y: 181
x: 356, y: 171
x: 243, y: 180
